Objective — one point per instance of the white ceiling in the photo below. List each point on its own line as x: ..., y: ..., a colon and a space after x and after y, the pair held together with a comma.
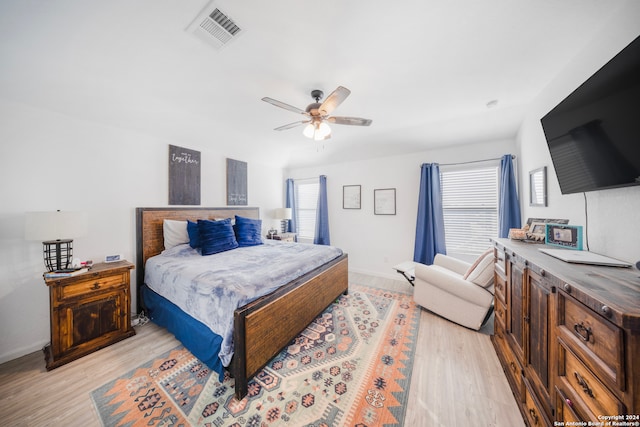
x: 422, y: 70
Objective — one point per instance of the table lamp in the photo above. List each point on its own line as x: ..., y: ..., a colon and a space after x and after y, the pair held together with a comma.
x: 56, y: 231
x: 284, y: 215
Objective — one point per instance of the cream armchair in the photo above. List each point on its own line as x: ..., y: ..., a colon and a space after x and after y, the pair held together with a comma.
x: 456, y: 290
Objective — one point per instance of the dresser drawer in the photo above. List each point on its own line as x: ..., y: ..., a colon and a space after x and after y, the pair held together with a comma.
x: 566, y: 410
x: 597, y: 339
x: 583, y: 383
x: 90, y: 284
x: 500, y: 311
x: 533, y: 409
x: 500, y: 261
x: 512, y: 368
x: 500, y: 286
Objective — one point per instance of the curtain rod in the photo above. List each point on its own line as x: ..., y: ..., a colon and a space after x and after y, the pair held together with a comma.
x: 472, y: 161
x: 305, y: 179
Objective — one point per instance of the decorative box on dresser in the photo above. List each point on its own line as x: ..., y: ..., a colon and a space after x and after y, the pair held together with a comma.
x: 88, y: 311
x: 567, y: 335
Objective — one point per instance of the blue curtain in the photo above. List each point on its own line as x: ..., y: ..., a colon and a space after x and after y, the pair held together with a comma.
x: 430, y: 224
x: 322, y: 215
x: 290, y: 202
x: 509, y: 206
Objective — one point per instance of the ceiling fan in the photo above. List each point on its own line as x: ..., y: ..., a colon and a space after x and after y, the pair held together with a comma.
x: 318, y: 114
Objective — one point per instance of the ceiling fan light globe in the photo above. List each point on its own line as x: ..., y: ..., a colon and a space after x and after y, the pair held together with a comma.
x: 309, y: 130
x: 323, y: 130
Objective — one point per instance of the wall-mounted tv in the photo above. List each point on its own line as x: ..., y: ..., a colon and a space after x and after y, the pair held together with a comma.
x: 594, y: 133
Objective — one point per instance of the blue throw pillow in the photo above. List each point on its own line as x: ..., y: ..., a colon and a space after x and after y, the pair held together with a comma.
x: 216, y: 236
x: 248, y: 231
x: 194, y: 234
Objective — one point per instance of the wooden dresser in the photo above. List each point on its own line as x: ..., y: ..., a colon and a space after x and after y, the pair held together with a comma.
x: 568, y: 336
x: 88, y: 312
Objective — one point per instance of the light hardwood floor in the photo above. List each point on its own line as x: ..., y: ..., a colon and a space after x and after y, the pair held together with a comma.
x: 456, y: 381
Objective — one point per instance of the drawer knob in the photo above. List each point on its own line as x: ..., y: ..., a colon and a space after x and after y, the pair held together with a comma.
x: 584, y: 384
x: 542, y: 273
x: 567, y: 288
x: 583, y: 331
x: 534, y: 416
x: 606, y: 310
x: 96, y: 286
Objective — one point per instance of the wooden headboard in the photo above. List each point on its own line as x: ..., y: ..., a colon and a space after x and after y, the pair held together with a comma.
x: 149, y: 226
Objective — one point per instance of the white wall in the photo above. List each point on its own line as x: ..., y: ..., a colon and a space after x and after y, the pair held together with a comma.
x: 613, y: 215
x: 49, y: 161
x: 375, y: 243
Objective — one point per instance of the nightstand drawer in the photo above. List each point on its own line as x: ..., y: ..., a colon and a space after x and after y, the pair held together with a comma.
x: 583, y: 383
x: 599, y: 340
x: 91, y: 284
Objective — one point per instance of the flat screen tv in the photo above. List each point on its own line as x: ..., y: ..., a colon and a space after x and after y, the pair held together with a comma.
x: 594, y: 133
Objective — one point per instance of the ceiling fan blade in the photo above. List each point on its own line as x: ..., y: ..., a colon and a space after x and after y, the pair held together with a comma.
x: 292, y: 125
x: 283, y: 105
x: 336, y: 98
x: 355, y: 121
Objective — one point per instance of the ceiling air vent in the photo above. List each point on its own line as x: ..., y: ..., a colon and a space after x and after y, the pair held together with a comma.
x: 215, y: 27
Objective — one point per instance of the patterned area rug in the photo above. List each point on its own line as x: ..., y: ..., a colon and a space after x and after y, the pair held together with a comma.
x: 351, y: 367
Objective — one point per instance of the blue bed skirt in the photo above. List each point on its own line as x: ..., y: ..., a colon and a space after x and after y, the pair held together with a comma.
x: 194, y: 335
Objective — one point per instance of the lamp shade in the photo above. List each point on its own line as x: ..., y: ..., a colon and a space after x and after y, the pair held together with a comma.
x: 317, y: 131
x: 55, y: 225
x: 283, y: 213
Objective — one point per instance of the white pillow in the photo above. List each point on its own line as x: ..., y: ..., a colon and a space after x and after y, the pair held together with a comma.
x: 481, y: 272
x: 175, y: 233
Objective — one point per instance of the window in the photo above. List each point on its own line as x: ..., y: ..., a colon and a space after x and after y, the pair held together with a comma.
x: 306, y: 204
x: 470, y: 208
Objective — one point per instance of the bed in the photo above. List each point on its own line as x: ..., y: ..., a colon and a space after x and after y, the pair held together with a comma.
x: 262, y: 327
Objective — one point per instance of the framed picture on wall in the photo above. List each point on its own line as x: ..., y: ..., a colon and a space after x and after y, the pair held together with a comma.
x: 538, y: 187
x: 351, y: 197
x: 384, y: 201
x: 237, y: 183
x: 184, y: 176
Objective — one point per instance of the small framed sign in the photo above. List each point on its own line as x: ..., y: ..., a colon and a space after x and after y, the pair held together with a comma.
x: 566, y: 236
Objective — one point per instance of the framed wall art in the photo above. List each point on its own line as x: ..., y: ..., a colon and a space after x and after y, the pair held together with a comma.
x: 384, y: 201
x: 184, y: 176
x: 237, y: 183
x: 538, y: 187
x: 351, y: 197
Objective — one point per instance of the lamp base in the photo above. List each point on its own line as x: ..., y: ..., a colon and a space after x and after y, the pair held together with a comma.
x: 58, y: 254
x: 284, y: 225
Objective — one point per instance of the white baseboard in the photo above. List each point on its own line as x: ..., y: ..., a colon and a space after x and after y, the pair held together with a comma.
x: 6, y: 357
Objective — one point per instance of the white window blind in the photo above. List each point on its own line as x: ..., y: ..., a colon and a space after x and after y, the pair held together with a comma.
x: 306, y: 204
x: 470, y: 207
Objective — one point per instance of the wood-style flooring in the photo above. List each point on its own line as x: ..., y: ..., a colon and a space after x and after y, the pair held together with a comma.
x: 457, y: 379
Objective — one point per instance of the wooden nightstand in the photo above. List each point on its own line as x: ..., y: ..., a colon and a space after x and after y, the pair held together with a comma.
x: 284, y: 237
x: 88, y: 312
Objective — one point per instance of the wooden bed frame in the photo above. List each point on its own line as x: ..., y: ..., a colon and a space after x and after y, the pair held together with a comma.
x: 265, y: 326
